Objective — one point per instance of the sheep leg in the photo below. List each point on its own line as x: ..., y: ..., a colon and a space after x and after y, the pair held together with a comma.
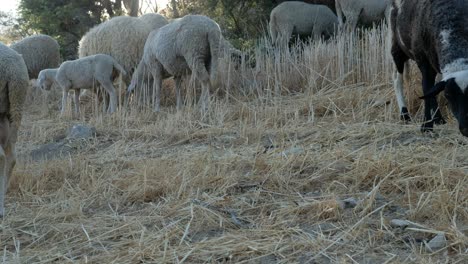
x: 351, y: 21
x: 339, y: 14
x: 202, y: 75
x: 77, y: 102
x: 156, y: 71
x: 107, y: 84
x: 399, y: 58
x: 7, y: 156
x: 431, y: 109
x: 64, y: 101
x: 178, y: 81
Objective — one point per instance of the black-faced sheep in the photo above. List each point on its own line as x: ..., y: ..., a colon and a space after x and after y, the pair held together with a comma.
x: 85, y: 73
x: 14, y: 82
x: 190, y: 44
x: 122, y: 37
x: 302, y: 19
x: 365, y: 11
x: 434, y: 34
x: 39, y: 52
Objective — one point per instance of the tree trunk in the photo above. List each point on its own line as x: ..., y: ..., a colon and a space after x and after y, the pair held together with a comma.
x: 175, y: 11
x: 132, y: 7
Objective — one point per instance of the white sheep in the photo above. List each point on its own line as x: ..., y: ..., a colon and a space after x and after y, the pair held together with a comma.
x: 39, y: 52
x: 46, y: 79
x: 366, y: 11
x: 14, y: 82
x: 190, y: 44
x: 84, y: 73
x: 301, y: 18
x: 122, y: 37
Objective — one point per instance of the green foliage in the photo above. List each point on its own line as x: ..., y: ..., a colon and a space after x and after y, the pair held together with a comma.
x: 65, y: 20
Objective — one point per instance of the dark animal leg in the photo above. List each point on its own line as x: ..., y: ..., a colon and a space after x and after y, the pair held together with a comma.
x: 431, y: 109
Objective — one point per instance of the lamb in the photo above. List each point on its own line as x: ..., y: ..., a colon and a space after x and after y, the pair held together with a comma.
x: 83, y: 74
x: 433, y: 34
x: 191, y: 43
x: 14, y: 82
x: 122, y: 37
x: 39, y: 52
x: 46, y: 78
x: 366, y: 11
x: 300, y: 18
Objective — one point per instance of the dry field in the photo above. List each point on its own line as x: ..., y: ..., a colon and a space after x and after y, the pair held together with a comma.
x: 262, y: 178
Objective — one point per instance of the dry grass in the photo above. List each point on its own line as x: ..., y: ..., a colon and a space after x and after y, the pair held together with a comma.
x: 260, y: 179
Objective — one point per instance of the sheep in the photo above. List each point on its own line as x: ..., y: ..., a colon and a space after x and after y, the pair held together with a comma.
x: 190, y: 44
x: 84, y: 73
x: 39, y: 52
x: 46, y: 78
x: 329, y: 3
x: 366, y: 11
x: 433, y: 34
x: 14, y: 82
x: 122, y: 37
x: 300, y: 18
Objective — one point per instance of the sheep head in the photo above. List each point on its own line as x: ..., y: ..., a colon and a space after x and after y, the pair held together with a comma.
x: 455, y: 87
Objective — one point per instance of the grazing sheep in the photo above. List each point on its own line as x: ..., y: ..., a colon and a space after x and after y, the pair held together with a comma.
x: 122, y: 37
x: 300, y: 18
x: 329, y: 3
x: 46, y: 79
x: 39, y: 52
x: 14, y: 82
x: 365, y: 11
x: 190, y: 44
x: 84, y: 73
x: 433, y: 33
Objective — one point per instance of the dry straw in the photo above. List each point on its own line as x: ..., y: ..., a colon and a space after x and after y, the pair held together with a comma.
x: 260, y: 179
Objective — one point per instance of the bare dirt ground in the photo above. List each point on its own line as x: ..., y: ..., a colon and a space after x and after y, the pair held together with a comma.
x: 315, y: 175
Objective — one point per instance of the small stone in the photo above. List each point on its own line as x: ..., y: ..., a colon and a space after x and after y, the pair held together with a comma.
x: 399, y: 223
x: 381, y: 102
x: 436, y: 243
x: 350, y: 203
x: 81, y: 131
x: 292, y: 151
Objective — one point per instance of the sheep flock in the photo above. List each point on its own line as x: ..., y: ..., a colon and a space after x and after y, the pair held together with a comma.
x: 336, y: 137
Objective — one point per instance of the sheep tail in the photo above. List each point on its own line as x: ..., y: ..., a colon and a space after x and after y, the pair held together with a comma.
x: 119, y: 68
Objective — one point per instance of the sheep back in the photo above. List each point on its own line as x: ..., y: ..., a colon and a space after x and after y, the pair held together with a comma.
x: 14, y: 82
x: 122, y: 37
x: 367, y: 11
x: 301, y: 18
x: 189, y: 38
x: 39, y: 52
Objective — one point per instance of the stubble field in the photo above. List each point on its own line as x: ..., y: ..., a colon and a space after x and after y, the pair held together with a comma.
x: 302, y: 159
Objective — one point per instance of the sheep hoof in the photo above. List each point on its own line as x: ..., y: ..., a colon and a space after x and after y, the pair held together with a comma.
x: 404, y: 115
x: 427, y: 127
x: 439, y: 120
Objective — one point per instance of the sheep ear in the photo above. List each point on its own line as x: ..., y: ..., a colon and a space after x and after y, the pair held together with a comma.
x: 439, y: 87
